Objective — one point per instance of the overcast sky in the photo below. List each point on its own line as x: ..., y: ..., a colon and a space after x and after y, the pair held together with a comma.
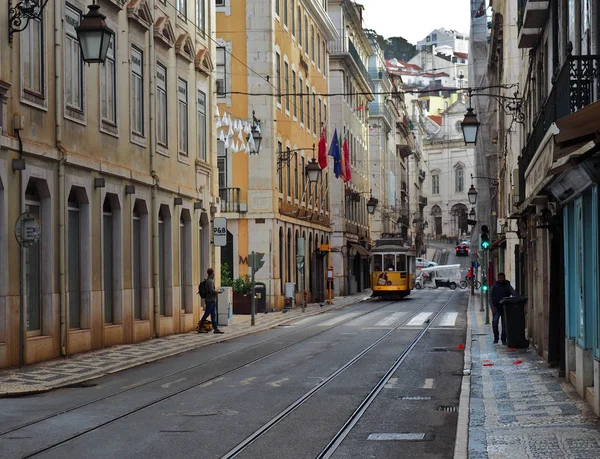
x: 414, y: 19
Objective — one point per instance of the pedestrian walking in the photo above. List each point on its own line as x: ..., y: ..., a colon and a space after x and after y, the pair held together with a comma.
x: 210, y: 303
x: 500, y: 290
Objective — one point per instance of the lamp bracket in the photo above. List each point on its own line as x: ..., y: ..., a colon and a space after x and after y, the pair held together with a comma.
x: 23, y: 12
x: 286, y: 156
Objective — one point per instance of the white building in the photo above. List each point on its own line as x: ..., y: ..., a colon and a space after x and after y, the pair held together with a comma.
x: 349, y: 116
x: 441, y: 37
x: 449, y: 167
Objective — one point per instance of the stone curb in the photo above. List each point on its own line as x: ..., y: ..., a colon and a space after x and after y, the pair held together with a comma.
x: 243, y: 330
x: 461, y: 444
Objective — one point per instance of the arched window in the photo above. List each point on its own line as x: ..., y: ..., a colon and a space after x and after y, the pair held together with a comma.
x: 459, y: 178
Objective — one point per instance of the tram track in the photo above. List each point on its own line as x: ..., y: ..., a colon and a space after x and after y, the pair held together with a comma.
x: 177, y: 392
x: 357, y: 414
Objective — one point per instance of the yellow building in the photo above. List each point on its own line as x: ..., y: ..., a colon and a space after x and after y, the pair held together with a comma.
x: 272, y: 60
x: 116, y: 161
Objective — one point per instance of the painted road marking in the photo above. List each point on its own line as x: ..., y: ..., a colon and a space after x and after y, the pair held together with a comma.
x: 337, y: 320
x: 396, y: 436
x: 390, y: 320
x: 167, y: 385
x: 392, y: 384
x: 305, y: 320
x: 245, y: 382
x: 428, y: 383
x: 420, y: 318
x: 449, y: 319
x: 211, y: 382
x: 278, y: 382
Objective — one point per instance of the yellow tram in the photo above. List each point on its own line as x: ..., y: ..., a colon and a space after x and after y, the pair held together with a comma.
x: 392, y: 267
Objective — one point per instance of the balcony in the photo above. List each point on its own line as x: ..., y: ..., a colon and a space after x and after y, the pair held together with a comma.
x: 577, y: 85
x: 230, y: 200
x: 376, y: 109
x: 377, y: 73
x: 345, y: 47
x: 531, y: 20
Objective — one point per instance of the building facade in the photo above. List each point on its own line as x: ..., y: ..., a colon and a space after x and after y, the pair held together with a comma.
x: 349, y: 75
x: 278, y: 51
x: 549, y: 196
x: 122, y: 189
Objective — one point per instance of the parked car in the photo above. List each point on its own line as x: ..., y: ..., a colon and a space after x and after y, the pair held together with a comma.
x: 462, y: 250
x: 424, y: 263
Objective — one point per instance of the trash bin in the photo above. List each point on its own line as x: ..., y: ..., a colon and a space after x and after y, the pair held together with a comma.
x: 514, y: 310
x: 260, y: 295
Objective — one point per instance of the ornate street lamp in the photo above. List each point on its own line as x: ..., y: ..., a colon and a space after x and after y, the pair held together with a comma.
x: 470, y: 126
x: 472, y: 194
x: 94, y: 36
x: 371, y: 204
x: 313, y: 171
x: 255, y: 134
x: 472, y: 213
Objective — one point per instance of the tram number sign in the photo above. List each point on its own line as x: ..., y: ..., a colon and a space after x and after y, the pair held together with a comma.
x: 220, y: 231
x: 27, y: 229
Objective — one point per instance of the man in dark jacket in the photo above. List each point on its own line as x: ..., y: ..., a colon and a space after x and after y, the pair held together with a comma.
x: 500, y: 290
x: 210, y: 303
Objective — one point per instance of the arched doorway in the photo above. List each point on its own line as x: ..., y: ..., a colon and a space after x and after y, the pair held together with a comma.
x: 459, y: 215
x: 436, y: 213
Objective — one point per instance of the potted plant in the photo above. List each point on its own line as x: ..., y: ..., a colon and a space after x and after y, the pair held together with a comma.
x: 242, y: 291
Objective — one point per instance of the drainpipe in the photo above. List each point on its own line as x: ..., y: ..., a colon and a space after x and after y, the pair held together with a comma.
x: 154, y: 204
x: 61, y: 179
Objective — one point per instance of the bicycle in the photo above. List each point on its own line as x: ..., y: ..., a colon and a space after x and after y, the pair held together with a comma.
x: 467, y: 283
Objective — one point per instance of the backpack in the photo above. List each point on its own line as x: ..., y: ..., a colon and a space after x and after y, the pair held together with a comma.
x: 202, y: 290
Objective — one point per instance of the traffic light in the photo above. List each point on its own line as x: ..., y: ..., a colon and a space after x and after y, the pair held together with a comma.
x: 484, y: 287
x: 485, y: 237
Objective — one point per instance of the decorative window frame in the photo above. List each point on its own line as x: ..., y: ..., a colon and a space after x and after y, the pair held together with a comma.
x: 139, y: 12
x: 203, y: 62
x: 39, y: 101
x: 163, y: 32
x: 184, y: 48
x: 228, y: 51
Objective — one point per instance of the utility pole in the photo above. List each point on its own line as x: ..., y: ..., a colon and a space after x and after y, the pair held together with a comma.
x: 253, y: 291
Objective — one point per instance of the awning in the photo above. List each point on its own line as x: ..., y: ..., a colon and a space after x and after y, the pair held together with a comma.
x: 360, y: 249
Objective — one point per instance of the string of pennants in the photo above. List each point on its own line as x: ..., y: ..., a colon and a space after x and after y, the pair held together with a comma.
x: 234, y: 133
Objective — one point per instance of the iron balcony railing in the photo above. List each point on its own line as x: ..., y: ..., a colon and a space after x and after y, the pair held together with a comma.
x: 377, y: 73
x: 376, y: 109
x: 577, y: 85
x: 345, y: 46
x: 230, y: 199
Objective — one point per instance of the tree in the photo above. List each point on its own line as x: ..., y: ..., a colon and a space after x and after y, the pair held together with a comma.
x: 394, y: 47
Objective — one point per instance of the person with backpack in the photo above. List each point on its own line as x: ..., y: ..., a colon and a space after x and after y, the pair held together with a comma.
x: 209, y: 293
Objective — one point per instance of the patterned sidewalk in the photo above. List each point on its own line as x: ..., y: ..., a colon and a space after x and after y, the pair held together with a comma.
x: 519, y: 408
x: 90, y: 365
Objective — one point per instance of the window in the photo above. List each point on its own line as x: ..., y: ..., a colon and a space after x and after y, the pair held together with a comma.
x: 221, y: 74
x: 33, y: 267
x: 296, y: 187
x: 306, y: 34
x: 278, y: 76
x: 201, y: 125
x: 182, y: 8
x: 74, y: 248
x: 321, y: 114
x: 312, y: 43
x: 285, y: 13
x: 324, y: 112
x: 293, y: 17
x: 280, y: 171
x: 302, y: 176
x: 73, y: 62
x: 314, y: 113
x: 137, y: 260
x: 289, y: 175
x: 435, y: 184
x: 323, y: 50
x: 162, y: 117
x: 434, y: 36
x: 318, y: 51
x: 222, y: 164
x: 108, y: 222
x: 301, y: 101
x: 108, y: 87
x: 137, y: 92
x: 459, y: 178
x: 276, y: 6
x: 307, y: 108
x: 299, y: 26
x: 32, y: 55
x: 200, y: 9
x: 286, y: 76
x: 294, y: 93
x: 182, y: 115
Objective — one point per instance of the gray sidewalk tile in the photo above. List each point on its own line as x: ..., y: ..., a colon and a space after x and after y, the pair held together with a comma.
x: 522, y: 409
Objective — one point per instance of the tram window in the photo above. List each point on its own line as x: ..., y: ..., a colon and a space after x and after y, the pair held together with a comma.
x: 388, y: 262
x: 400, y: 262
x: 377, y: 263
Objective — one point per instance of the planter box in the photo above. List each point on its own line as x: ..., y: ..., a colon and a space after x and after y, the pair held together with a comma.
x: 241, y: 303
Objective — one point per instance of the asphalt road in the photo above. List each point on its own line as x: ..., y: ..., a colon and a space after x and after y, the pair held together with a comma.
x: 283, y: 393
